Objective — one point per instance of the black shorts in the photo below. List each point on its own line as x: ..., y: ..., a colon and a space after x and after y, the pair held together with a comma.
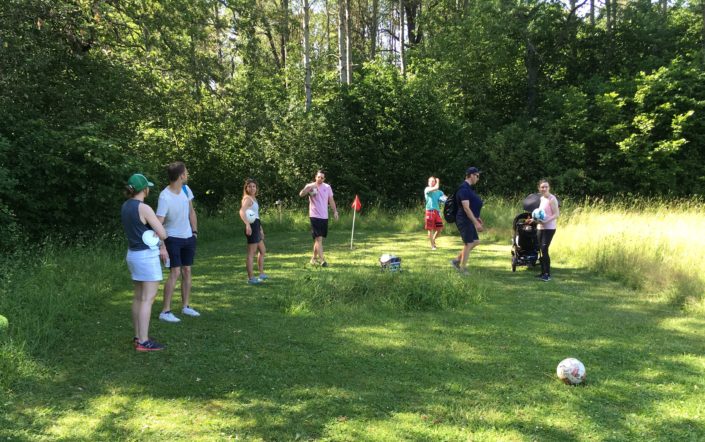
x: 256, y: 236
x: 319, y: 227
x: 467, y: 230
x: 181, y: 251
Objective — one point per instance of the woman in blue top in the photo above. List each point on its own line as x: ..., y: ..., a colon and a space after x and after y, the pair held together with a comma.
x: 253, y: 232
x: 433, y: 222
x: 142, y: 259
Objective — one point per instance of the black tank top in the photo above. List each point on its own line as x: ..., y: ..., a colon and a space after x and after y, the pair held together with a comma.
x: 134, y: 228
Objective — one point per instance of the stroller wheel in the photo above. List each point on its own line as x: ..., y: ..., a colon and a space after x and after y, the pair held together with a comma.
x: 514, y: 264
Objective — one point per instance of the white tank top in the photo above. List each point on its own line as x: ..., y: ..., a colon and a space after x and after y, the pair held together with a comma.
x: 255, y: 207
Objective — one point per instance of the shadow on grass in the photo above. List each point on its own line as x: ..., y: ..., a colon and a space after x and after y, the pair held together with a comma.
x: 245, y: 368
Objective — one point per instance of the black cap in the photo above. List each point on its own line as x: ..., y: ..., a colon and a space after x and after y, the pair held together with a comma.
x: 471, y: 170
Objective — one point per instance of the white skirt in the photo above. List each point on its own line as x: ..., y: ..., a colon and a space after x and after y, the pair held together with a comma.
x: 144, y: 265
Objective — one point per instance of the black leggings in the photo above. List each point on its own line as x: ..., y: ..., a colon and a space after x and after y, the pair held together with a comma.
x: 545, y: 237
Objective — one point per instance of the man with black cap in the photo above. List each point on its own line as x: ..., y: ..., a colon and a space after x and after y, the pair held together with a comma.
x: 468, y: 218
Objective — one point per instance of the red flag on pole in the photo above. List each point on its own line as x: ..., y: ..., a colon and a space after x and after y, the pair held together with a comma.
x: 356, y: 204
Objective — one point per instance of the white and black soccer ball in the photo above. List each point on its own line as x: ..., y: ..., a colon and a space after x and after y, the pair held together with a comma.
x: 313, y: 192
x: 571, y: 371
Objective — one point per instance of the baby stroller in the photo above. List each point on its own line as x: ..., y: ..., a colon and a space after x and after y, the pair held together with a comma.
x: 525, y: 243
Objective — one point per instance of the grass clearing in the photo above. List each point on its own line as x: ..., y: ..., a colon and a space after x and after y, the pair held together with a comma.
x: 351, y: 353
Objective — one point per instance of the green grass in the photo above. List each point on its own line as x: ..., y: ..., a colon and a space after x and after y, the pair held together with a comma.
x: 351, y: 353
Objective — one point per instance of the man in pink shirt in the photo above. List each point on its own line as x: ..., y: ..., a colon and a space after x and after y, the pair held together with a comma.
x: 319, y: 195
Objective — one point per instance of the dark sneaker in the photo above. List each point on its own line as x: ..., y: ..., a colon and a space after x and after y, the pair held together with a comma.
x: 149, y: 346
x: 455, y: 263
x: 136, y: 340
x: 545, y: 278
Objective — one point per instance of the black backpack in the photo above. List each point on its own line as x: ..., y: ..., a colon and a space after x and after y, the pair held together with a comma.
x: 450, y: 209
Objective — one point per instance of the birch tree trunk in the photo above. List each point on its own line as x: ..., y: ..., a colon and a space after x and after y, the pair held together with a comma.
x: 284, y: 31
x: 373, y: 29
x: 307, y: 54
x: 327, y: 11
x: 608, y: 13
x: 702, y: 5
x: 402, y: 61
x: 342, y: 45
x: 348, y: 40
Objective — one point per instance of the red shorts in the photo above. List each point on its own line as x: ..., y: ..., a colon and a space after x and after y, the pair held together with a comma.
x: 433, y: 220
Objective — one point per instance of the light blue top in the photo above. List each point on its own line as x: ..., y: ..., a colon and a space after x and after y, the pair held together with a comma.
x: 432, y: 200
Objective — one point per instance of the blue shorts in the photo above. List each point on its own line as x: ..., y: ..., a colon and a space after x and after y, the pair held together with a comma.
x: 467, y: 230
x: 319, y: 227
x: 256, y: 236
x: 181, y: 251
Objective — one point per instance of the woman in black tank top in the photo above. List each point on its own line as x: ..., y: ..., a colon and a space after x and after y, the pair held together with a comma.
x: 142, y: 260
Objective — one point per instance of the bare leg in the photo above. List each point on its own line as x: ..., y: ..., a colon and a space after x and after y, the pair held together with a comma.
x: 319, y: 242
x: 463, y: 257
x: 260, y: 259
x: 185, y: 285
x: 169, y: 287
x: 144, y: 300
x: 251, y: 249
x: 136, y: 299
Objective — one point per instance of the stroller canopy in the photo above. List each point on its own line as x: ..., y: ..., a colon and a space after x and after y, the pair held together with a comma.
x: 533, y: 201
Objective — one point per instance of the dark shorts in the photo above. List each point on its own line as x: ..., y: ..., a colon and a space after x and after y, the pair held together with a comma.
x: 181, y: 251
x: 319, y: 227
x: 467, y: 230
x: 256, y: 233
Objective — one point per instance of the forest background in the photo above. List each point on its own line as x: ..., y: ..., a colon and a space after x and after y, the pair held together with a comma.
x: 605, y: 98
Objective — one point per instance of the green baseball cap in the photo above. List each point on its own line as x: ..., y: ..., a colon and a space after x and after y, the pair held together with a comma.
x: 139, y: 182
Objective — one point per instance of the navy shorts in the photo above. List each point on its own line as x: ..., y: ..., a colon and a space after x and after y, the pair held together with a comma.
x: 181, y: 251
x: 319, y: 227
x: 467, y: 230
x: 256, y: 236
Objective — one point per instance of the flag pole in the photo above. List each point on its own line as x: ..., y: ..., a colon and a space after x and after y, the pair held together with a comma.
x: 353, y: 230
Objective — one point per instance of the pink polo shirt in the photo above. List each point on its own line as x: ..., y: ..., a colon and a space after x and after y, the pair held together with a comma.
x: 318, y: 205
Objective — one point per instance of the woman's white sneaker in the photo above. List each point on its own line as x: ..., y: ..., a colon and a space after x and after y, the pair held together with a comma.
x: 188, y: 311
x: 168, y: 317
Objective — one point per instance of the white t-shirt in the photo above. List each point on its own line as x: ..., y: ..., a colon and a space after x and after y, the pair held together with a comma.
x: 175, y: 209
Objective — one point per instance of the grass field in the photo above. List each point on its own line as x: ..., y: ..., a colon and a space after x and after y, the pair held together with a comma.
x: 354, y: 354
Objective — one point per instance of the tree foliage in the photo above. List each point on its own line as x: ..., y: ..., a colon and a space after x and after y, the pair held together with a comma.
x: 94, y: 90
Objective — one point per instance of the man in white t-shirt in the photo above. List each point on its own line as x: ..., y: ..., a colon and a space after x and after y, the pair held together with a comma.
x: 320, y: 195
x: 175, y: 211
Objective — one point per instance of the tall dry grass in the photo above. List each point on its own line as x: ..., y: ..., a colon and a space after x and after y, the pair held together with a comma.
x: 654, y: 246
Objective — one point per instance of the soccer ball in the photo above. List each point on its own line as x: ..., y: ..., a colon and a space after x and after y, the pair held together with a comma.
x: 250, y: 215
x: 538, y: 214
x: 313, y: 192
x: 571, y: 371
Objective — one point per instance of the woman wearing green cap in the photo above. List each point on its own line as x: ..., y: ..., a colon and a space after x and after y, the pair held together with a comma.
x: 143, y: 257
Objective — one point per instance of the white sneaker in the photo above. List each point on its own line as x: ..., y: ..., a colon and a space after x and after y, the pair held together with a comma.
x: 168, y: 317
x: 188, y: 311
